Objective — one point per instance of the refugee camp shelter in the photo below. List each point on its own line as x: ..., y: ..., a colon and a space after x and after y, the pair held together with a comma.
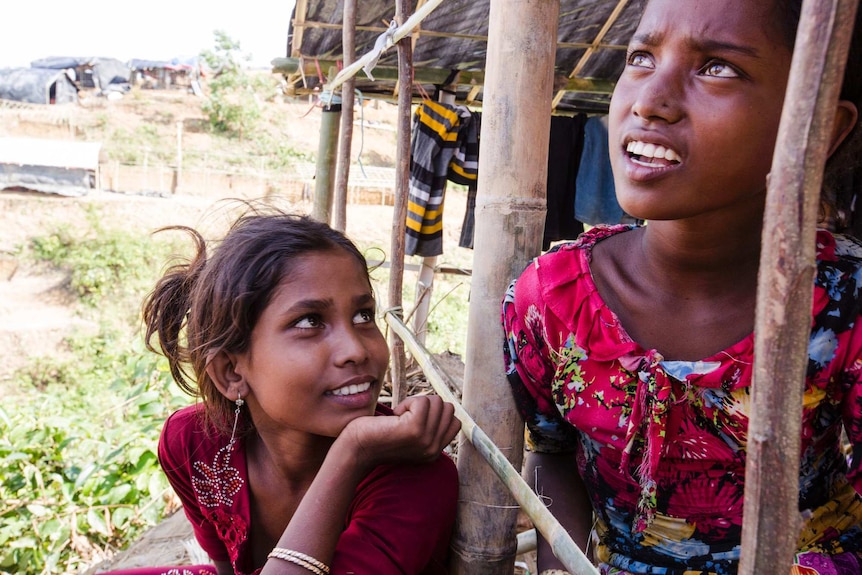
x: 37, y: 86
x: 451, y: 44
x: 165, y: 74
x: 102, y: 74
x: 523, y: 61
x: 66, y: 168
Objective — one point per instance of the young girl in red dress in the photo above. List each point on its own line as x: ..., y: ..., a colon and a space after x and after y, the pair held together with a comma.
x: 288, y: 464
x: 630, y: 350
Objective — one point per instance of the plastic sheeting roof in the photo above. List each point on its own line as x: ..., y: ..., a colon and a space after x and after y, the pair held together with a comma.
x: 54, y: 153
x: 591, y: 42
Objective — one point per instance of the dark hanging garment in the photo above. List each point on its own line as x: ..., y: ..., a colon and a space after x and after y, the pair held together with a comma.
x: 564, y: 155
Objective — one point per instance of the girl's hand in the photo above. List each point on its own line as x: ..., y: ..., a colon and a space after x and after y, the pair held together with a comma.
x: 421, y: 427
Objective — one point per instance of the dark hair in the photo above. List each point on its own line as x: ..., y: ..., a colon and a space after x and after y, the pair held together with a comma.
x: 212, y: 304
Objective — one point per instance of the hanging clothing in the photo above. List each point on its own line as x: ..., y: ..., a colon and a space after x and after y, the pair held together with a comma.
x: 440, y: 150
x: 565, y: 146
x: 596, y: 200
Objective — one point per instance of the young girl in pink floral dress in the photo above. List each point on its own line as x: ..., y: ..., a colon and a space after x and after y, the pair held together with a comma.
x: 630, y: 350
x: 288, y: 465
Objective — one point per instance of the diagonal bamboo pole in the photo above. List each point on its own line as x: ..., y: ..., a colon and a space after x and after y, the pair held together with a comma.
x: 565, y: 549
x: 785, y: 286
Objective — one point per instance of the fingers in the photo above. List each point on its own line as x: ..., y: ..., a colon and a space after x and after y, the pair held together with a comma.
x: 435, y: 422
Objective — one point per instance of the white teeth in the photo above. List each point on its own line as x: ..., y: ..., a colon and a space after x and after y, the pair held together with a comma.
x: 351, y: 389
x: 652, y: 151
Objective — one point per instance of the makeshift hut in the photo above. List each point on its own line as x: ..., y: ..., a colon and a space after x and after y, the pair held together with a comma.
x: 165, y: 74
x: 37, y: 86
x: 523, y: 61
x: 102, y: 74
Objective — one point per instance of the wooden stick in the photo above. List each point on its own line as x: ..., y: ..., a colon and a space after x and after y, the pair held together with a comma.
x: 399, y: 212
x: 785, y: 286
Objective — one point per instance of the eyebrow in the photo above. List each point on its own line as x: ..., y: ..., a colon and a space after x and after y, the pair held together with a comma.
x: 651, y: 39
x: 321, y: 304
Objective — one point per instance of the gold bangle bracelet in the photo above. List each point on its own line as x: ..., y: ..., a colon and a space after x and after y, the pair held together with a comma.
x: 298, y: 558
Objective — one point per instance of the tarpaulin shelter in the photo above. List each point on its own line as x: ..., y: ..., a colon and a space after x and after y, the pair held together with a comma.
x: 66, y: 168
x: 37, y: 86
x: 104, y: 74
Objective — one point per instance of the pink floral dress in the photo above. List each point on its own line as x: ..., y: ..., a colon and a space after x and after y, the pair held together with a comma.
x: 661, y: 444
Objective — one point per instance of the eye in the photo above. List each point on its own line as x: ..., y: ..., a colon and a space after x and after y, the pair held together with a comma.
x: 718, y: 69
x: 308, y: 322
x: 639, y: 60
x: 364, y: 316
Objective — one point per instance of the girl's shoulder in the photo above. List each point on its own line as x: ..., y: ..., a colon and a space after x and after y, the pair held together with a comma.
x: 588, y: 239
x: 564, y: 270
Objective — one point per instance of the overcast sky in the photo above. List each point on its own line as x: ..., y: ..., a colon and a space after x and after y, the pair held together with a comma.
x: 152, y: 30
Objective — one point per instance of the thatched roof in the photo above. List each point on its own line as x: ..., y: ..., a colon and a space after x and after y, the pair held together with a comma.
x: 591, y: 44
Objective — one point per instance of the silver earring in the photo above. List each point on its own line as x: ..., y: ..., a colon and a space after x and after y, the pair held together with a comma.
x: 239, y: 403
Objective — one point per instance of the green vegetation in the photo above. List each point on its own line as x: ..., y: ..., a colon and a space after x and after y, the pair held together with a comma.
x: 78, y: 433
x: 78, y: 439
x: 233, y: 106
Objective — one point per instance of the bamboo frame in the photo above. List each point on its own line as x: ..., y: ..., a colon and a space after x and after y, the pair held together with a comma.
x: 564, y: 547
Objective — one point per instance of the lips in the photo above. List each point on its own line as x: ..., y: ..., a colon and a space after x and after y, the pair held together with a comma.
x: 652, y: 155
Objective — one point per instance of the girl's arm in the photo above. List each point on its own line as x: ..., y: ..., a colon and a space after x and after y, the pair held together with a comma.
x: 554, y: 477
x: 421, y: 428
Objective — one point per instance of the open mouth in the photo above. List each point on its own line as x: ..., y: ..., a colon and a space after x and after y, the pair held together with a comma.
x: 350, y: 389
x: 652, y: 155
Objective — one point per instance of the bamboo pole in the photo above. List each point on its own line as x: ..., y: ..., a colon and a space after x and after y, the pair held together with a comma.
x: 342, y: 173
x: 563, y: 545
x: 399, y: 212
x: 510, y: 214
x: 324, y: 174
x: 771, y: 517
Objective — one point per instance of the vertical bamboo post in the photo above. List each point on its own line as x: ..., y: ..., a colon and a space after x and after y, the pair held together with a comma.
x: 342, y: 174
x: 510, y: 215
x: 399, y: 213
x: 327, y: 153
x: 771, y: 517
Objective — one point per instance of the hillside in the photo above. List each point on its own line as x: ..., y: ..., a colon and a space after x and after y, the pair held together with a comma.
x: 139, y: 137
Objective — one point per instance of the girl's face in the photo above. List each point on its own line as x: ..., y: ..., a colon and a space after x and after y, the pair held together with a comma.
x: 316, y: 359
x: 694, y: 116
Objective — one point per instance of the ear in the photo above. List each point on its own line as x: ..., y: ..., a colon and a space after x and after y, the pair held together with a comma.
x: 222, y: 370
x: 846, y: 116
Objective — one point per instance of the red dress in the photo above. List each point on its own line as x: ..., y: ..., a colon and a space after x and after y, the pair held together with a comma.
x: 400, y: 520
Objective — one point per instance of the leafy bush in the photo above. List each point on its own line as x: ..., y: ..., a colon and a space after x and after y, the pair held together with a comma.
x: 78, y: 457
x: 78, y: 470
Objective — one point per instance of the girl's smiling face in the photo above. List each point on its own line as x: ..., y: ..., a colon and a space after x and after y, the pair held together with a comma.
x: 694, y: 116
x: 317, y: 358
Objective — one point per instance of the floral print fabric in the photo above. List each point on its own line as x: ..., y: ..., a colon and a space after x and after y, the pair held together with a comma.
x: 661, y: 444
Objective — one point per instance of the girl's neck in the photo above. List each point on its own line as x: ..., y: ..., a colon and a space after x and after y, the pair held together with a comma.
x: 694, y: 256
x: 293, y: 460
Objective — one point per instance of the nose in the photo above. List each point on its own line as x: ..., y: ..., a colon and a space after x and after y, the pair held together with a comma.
x: 659, y: 97
x: 350, y: 346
